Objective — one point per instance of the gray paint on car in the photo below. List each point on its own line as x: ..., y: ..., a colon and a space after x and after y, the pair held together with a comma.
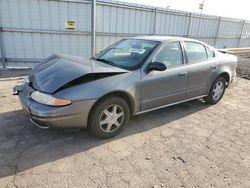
x: 145, y: 91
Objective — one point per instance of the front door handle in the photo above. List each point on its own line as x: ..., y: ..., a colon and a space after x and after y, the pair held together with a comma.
x: 182, y: 73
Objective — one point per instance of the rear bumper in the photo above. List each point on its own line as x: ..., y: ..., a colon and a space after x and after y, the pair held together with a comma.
x: 74, y: 115
x: 233, y: 77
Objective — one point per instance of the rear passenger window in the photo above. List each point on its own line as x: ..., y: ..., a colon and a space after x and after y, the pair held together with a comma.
x: 196, y: 52
x: 210, y: 53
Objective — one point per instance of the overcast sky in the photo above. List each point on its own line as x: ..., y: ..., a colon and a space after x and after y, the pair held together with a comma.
x: 229, y: 8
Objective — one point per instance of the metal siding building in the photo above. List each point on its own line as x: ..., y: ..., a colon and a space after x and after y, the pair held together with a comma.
x: 34, y: 29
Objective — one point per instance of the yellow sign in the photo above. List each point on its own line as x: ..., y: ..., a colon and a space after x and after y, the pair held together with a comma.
x: 70, y: 25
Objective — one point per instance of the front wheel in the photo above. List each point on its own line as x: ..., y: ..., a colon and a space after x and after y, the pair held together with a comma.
x: 108, y: 117
x: 216, y: 91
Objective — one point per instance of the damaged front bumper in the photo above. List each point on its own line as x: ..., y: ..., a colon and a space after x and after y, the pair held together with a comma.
x: 74, y: 115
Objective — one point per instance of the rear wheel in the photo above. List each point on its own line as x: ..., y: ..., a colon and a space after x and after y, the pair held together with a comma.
x: 109, y: 117
x: 216, y: 91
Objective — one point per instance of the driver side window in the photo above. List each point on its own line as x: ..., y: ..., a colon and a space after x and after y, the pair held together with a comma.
x: 170, y: 54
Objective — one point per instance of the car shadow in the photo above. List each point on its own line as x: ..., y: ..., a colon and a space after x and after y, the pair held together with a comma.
x: 24, y: 146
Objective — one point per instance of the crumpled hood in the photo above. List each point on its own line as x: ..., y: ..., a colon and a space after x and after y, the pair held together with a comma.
x: 58, y: 70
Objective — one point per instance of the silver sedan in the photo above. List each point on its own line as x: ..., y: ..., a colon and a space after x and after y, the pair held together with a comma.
x: 130, y: 77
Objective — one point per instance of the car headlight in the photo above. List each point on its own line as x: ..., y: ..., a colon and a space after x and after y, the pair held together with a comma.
x: 47, y: 99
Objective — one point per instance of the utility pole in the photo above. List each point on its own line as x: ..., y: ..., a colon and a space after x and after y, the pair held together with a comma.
x: 93, y: 24
x: 2, y: 49
x: 201, y: 6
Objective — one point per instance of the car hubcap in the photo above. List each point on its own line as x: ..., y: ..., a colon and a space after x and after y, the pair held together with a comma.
x: 218, y: 90
x: 111, y: 118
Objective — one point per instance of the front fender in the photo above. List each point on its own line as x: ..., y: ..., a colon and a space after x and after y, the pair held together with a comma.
x: 126, y: 83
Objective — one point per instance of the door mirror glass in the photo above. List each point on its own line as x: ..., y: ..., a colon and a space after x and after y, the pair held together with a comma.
x: 157, y: 66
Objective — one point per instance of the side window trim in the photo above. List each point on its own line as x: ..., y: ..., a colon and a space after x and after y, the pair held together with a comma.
x: 205, y: 50
x: 184, y: 54
x: 207, y: 47
x: 184, y: 61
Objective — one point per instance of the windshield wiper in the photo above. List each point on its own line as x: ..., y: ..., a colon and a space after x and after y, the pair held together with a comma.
x: 105, y: 61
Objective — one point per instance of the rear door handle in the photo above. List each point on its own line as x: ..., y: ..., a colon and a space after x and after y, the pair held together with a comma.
x: 182, y: 73
x: 213, y: 67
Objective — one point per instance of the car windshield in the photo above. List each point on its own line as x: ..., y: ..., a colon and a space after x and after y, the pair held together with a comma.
x: 128, y: 54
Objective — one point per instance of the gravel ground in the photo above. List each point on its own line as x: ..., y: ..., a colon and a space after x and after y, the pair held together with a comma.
x: 188, y: 145
x: 243, y: 68
x: 12, y: 73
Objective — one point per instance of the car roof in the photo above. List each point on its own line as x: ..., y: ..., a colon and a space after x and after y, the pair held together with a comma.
x: 162, y: 38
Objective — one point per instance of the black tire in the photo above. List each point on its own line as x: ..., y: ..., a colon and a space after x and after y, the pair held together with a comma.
x: 210, y: 99
x: 95, y: 117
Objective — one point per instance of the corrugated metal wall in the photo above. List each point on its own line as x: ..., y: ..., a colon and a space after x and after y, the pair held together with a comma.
x: 34, y: 29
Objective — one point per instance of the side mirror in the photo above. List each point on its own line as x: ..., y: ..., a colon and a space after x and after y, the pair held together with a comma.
x: 158, y: 66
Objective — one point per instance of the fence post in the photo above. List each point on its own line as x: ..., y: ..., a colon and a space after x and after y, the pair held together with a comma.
x: 189, y: 22
x: 155, y: 17
x: 2, y: 48
x: 93, y: 24
x: 241, y: 31
x: 217, y: 32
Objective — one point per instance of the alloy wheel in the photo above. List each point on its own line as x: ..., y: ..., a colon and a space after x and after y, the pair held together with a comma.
x: 218, y: 90
x: 111, y: 118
